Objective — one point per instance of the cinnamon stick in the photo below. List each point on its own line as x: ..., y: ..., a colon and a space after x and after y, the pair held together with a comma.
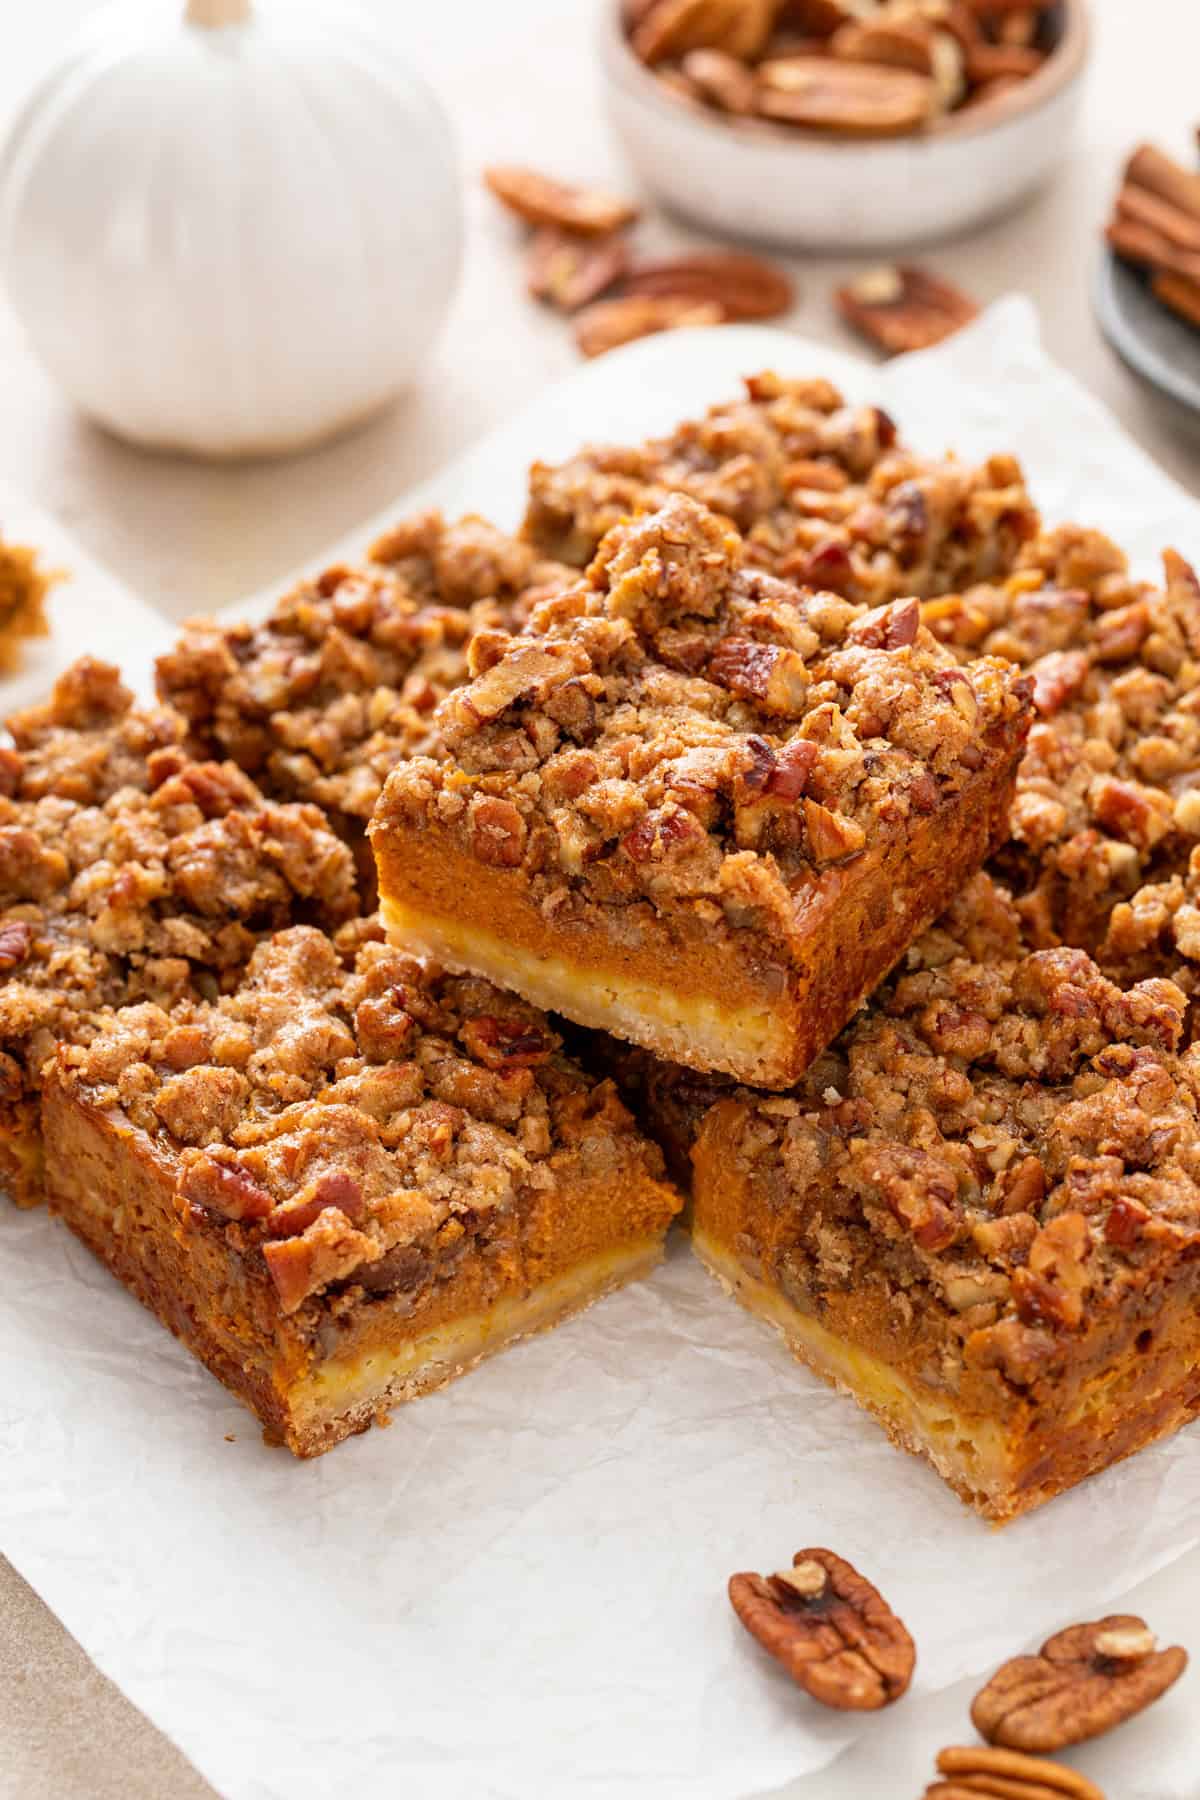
x: 1180, y: 294
x: 1149, y: 249
x: 1146, y: 208
x: 1160, y: 174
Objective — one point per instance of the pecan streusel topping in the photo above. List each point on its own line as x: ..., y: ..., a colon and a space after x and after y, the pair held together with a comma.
x: 351, y: 1115
x: 1010, y: 1139
x: 681, y: 724
x: 822, y: 492
x: 129, y: 871
x: 323, y: 698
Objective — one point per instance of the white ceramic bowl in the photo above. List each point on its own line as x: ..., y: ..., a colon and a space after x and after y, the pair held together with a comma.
x: 808, y: 190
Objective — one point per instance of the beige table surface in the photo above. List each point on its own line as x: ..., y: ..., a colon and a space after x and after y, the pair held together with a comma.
x: 519, y: 81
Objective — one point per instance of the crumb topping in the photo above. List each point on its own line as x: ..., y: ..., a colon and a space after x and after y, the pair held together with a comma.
x: 322, y: 699
x: 356, y: 1116
x: 1011, y: 1132
x: 680, y: 724
x: 822, y: 492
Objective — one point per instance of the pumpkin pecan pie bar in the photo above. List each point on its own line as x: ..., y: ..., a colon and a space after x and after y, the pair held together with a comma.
x: 339, y: 682
x: 127, y: 872
x: 350, y: 1178
x: 824, y: 494
x: 1108, y: 793
x: 979, y: 1214
x: 696, y: 806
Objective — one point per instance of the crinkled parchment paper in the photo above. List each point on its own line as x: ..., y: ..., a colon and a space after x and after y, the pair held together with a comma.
x: 518, y: 1589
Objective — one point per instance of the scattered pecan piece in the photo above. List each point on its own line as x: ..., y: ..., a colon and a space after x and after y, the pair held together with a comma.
x: 1082, y: 1682
x: 889, y: 627
x: 540, y: 201
x: 831, y: 1630
x: 673, y: 27
x: 777, y: 678
x: 610, y: 323
x: 15, y: 939
x: 902, y: 307
x: 743, y: 286
x: 568, y: 271
x: 974, y: 1769
x: 858, y: 99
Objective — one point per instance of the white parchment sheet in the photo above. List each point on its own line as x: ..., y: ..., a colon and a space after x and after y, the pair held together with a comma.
x: 518, y: 1589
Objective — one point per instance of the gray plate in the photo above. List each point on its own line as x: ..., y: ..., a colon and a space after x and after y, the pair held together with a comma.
x: 1159, y: 347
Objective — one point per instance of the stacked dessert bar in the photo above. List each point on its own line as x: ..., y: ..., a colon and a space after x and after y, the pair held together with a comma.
x: 853, y: 814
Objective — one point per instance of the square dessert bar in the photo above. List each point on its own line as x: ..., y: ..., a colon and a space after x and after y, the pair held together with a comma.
x: 349, y: 1179
x: 696, y: 806
x: 1108, y: 793
x: 129, y: 872
x: 979, y: 1214
x: 339, y: 682
x: 823, y: 493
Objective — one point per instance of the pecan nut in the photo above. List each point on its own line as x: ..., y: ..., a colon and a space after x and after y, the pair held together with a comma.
x: 857, y: 99
x: 541, y: 201
x: 1082, y: 1682
x: 673, y: 27
x: 903, y: 307
x: 610, y: 323
x: 973, y: 1769
x: 830, y: 1629
x: 720, y: 79
x: 15, y: 939
x: 743, y: 286
x: 568, y: 271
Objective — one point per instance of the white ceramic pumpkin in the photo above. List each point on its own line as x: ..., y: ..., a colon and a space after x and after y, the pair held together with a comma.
x: 230, y: 227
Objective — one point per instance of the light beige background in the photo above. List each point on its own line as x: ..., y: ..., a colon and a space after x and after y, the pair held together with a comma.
x: 519, y: 81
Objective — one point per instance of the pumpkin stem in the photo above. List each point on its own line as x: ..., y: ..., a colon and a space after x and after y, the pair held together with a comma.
x: 217, y: 12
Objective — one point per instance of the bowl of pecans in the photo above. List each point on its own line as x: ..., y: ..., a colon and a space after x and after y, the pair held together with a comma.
x: 843, y: 124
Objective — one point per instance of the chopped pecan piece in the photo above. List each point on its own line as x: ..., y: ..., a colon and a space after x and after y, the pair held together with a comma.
x: 15, y: 939
x: 568, y: 271
x: 610, y: 323
x: 541, y: 201
x: 973, y: 1769
x: 831, y: 836
x: 830, y: 1629
x: 857, y: 99
x: 774, y: 676
x: 889, y: 627
x: 743, y: 286
x: 901, y: 307
x: 497, y: 832
x: 507, y: 1043
x: 222, y: 1188
x: 1082, y: 1682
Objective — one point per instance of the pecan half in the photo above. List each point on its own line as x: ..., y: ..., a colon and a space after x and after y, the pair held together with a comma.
x: 721, y: 80
x: 568, y: 271
x: 973, y: 1769
x: 901, y: 307
x: 610, y: 323
x: 743, y: 286
x: 1082, y: 1682
x: 673, y: 27
x: 541, y: 201
x: 859, y: 99
x: 834, y: 1633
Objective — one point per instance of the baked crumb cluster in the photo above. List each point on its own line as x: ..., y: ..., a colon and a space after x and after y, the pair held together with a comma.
x: 1006, y: 1137
x: 823, y: 493
x: 339, y: 683
x: 24, y: 586
x: 680, y: 724
x: 359, y: 1119
x: 128, y: 871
